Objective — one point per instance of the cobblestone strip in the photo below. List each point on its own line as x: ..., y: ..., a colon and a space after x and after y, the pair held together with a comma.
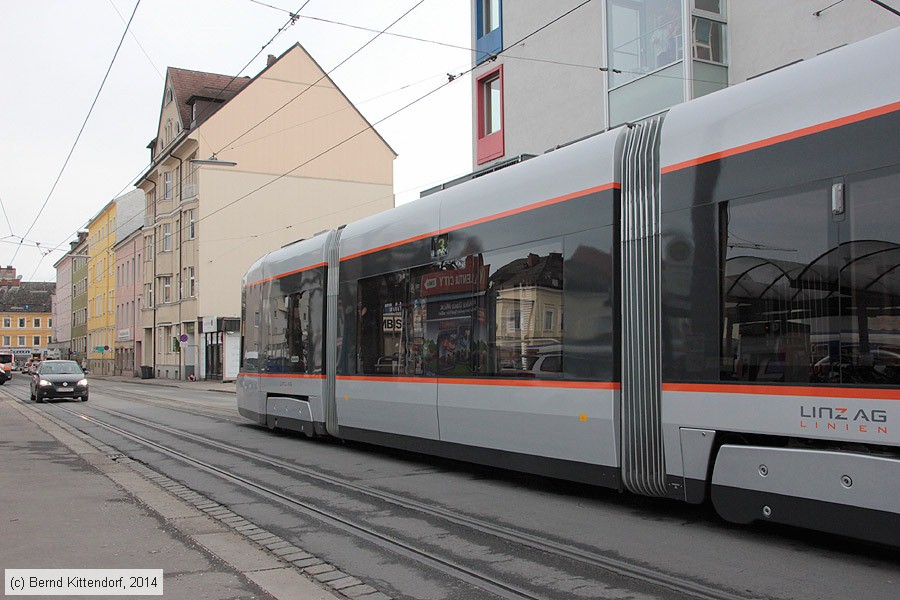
x: 339, y: 582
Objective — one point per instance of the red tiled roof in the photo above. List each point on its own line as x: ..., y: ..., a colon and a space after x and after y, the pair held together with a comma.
x: 188, y: 84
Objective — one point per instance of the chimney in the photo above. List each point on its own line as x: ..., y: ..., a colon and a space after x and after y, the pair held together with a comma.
x: 8, y: 276
x: 271, y: 60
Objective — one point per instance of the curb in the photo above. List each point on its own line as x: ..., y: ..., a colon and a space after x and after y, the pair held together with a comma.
x: 282, y: 569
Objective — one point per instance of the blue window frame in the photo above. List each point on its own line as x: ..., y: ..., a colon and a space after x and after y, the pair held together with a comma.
x: 488, y: 28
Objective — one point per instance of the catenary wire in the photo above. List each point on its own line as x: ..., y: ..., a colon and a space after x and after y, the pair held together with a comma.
x: 324, y: 76
x: 294, y: 16
x: 506, y: 54
x: 371, y: 126
x: 80, y: 131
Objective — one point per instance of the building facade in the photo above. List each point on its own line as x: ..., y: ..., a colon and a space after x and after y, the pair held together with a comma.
x: 61, y: 346
x: 294, y: 157
x: 26, y: 318
x: 129, y: 296
x: 101, y: 294
x: 610, y: 62
x: 79, y: 292
x: 63, y: 310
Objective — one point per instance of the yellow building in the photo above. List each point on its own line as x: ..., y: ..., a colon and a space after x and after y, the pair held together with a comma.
x: 26, y: 319
x: 101, y: 306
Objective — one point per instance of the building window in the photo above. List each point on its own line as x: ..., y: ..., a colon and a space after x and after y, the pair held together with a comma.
x: 21, y: 341
x: 167, y: 288
x: 49, y: 321
x: 513, y: 320
x: 643, y: 36
x: 7, y: 322
x: 189, y: 278
x: 708, y: 39
x: 167, y: 182
x: 21, y: 323
x: 490, y: 115
x: 716, y: 7
x: 36, y: 340
x: 488, y: 29
x: 7, y: 340
x: 167, y: 237
x: 37, y: 321
x: 148, y: 247
x: 549, y: 319
x: 192, y: 231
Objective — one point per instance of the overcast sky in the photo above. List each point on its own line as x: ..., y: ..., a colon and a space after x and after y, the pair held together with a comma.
x: 56, y: 52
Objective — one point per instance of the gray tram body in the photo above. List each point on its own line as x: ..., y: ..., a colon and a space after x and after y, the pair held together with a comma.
x: 690, y: 370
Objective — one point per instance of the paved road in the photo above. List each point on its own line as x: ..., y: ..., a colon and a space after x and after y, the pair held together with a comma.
x: 758, y: 562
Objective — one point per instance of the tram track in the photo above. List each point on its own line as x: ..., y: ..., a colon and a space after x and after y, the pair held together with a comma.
x: 470, y: 576
x: 568, y: 552
x: 212, y: 412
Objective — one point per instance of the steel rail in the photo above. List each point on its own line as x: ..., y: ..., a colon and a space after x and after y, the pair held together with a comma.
x: 616, y: 566
x: 470, y: 576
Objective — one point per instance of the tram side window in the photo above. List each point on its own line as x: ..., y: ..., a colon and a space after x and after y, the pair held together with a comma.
x: 780, y: 304
x: 251, y: 298
x: 294, y: 322
x: 589, y: 297
x: 383, y: 324
x: 517, y: 320
x: 870, y: 283
x: 391, y: 324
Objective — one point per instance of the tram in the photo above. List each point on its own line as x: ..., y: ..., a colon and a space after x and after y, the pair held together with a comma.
x: 701, y: 305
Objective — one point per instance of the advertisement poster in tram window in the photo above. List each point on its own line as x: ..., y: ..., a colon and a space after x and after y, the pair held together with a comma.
x: 450, y: 325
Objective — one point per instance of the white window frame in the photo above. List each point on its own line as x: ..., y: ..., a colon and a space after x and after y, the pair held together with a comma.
x: 191, y: 227
x: 191, y: 280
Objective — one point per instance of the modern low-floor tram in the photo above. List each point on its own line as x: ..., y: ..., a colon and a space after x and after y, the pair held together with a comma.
x: 705, y: 304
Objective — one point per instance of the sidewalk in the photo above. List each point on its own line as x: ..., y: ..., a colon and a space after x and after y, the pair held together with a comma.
x: 65, y: 503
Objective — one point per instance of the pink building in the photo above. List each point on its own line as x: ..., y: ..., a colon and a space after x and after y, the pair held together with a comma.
x: 129, y: 292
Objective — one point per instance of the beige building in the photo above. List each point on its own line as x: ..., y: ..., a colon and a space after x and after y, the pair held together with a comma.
x: 293, y: 157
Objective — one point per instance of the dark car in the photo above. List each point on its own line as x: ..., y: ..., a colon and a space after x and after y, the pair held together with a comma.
x: 58, y: 379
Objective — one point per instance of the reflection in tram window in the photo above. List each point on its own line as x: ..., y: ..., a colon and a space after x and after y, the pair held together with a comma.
x: 250, y: 298
x: 776, y: 305
x: 486, y: 314
x: 524, y: 297
x: 500, y: 313
x: 821, y: 306
x: 288, y: 336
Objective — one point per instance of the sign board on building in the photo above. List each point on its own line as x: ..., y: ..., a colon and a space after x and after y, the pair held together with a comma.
x: 208, y: 324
